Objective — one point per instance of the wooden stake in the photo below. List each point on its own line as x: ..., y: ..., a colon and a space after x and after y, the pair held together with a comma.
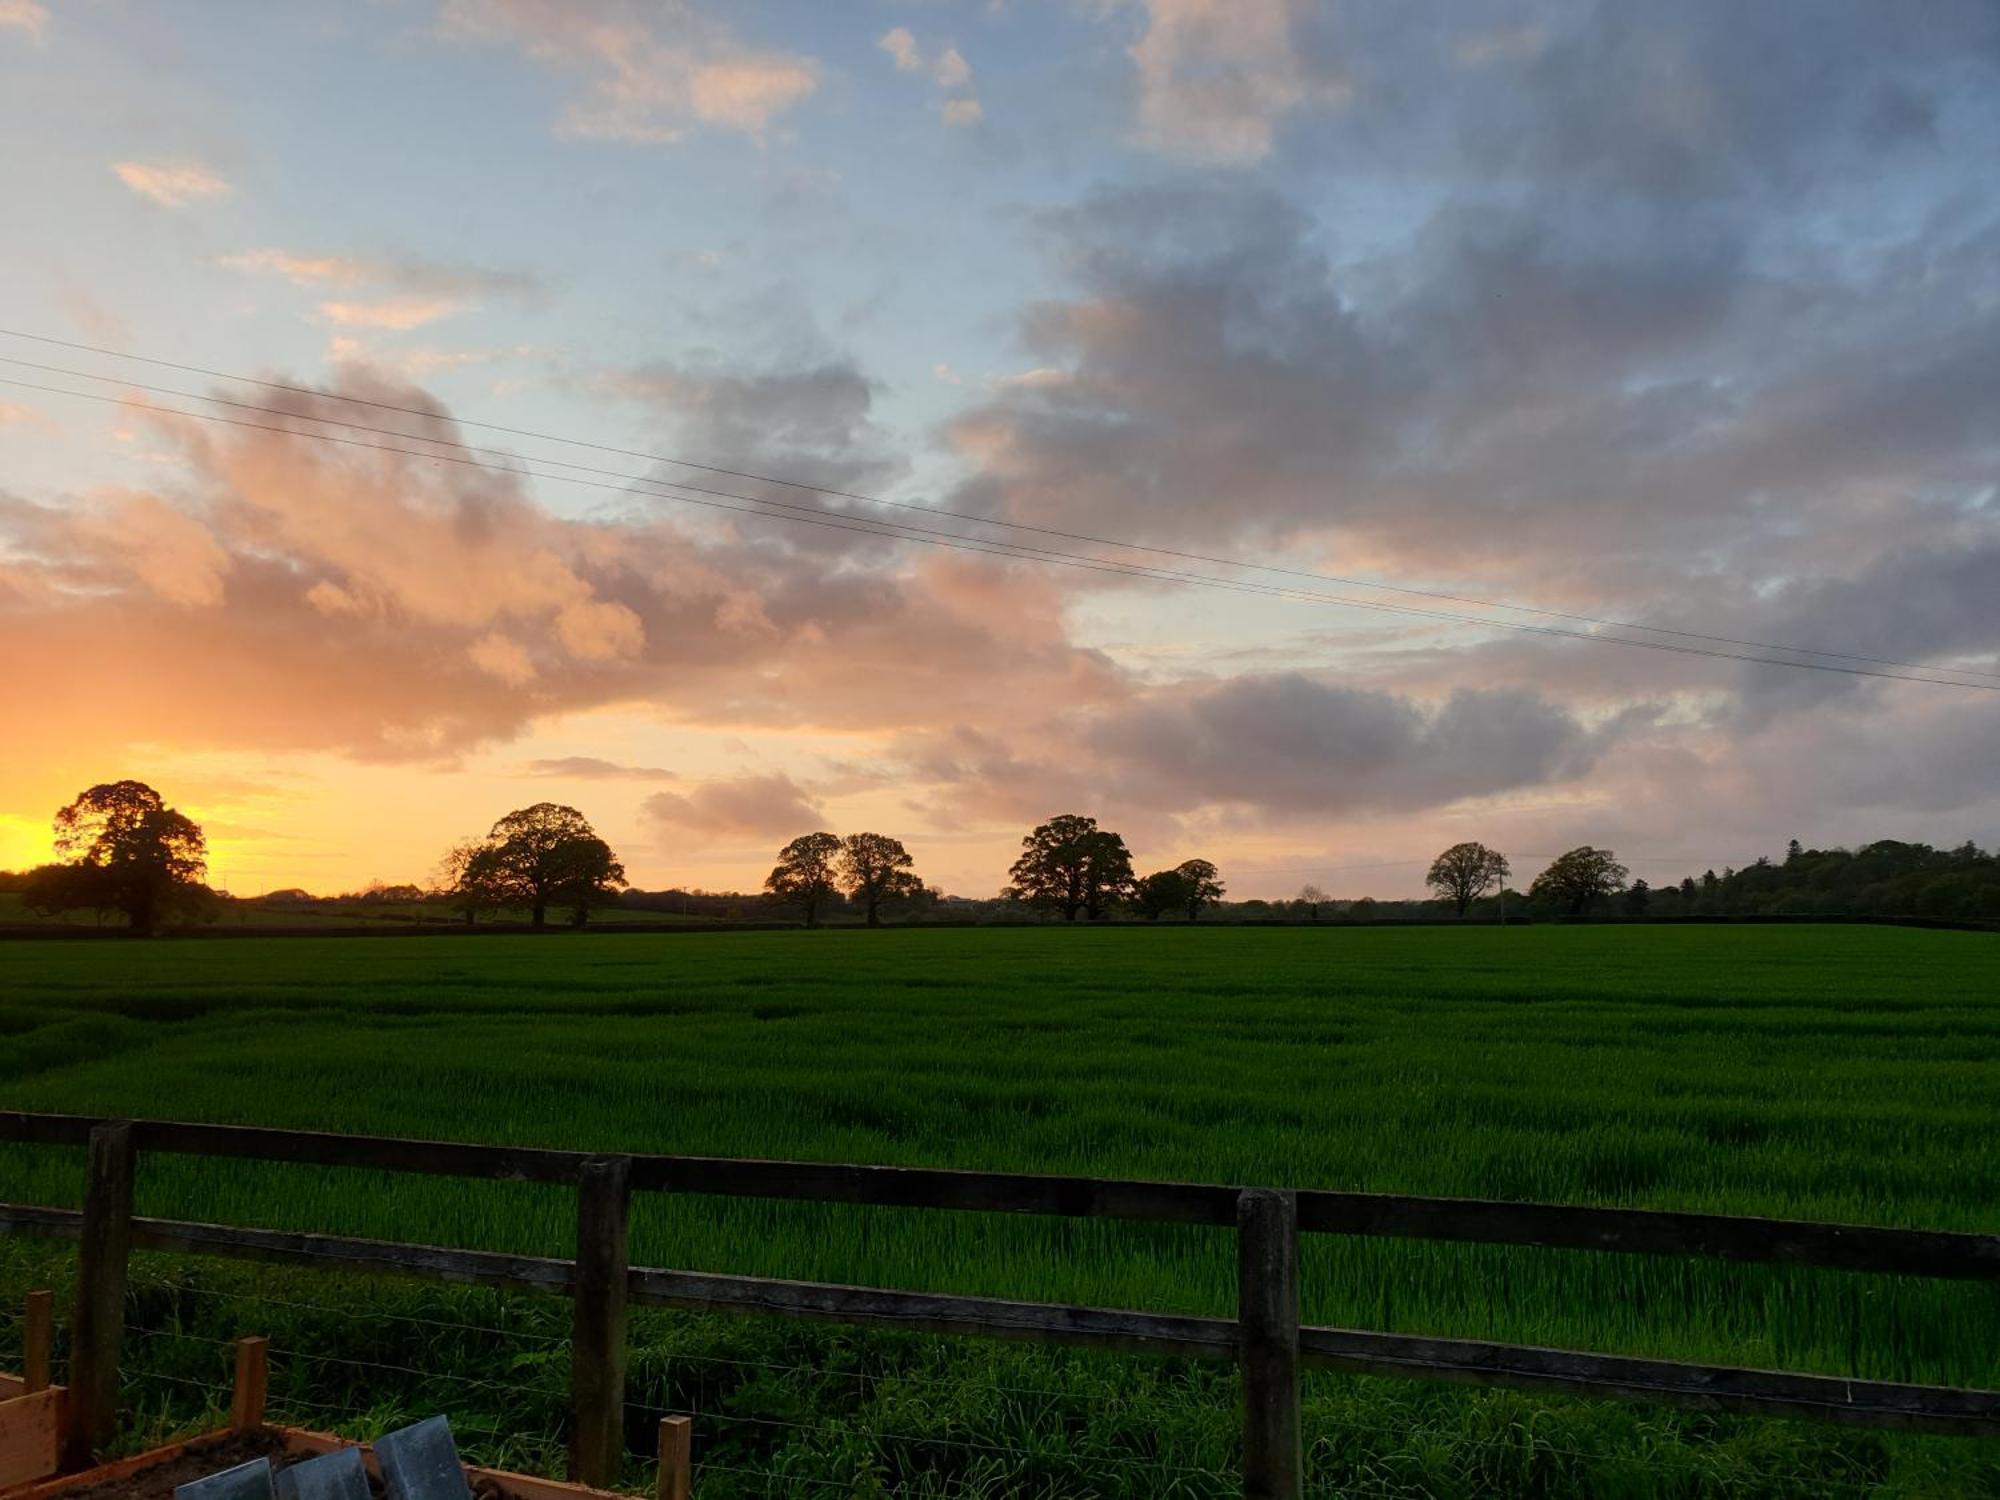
x: 676, y: 1458
x: 38, y: 1338
x: 100, y: 1293
x: 253, y: 1378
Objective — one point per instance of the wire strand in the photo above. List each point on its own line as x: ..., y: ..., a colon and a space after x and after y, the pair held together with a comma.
x: 1445, y: 596
x: 778, y: 510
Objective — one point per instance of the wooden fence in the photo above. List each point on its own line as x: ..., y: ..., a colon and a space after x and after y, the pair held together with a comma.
x: 1265, y: 1338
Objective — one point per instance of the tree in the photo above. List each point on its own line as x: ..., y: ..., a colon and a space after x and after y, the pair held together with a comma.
x: 1638, y: 898
x: 1204, y: 885
x: 875, y: 868
x: 804, y: 874
x: 1579, y: 879
x: 1312, y: 898
x: 1159, y: 893
x: 536, y: 857
x: 1465, y: 872
x: 464, y: 879
x: 1069, y: 864
x: 126, y: 851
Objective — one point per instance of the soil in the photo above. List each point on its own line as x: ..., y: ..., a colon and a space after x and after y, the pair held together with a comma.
x: 157, y: 1483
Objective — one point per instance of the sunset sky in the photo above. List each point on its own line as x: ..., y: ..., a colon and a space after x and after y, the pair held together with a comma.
x: 1685, y: 314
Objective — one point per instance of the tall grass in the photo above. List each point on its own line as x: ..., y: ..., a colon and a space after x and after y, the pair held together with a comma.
x: 1844, y: 1073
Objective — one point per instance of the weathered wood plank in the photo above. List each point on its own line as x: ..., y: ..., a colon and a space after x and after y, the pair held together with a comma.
x: 1863, y: 1403
x: 511, y: 1486
x: 1849, y: 1247
x: 104, y: 1249
x: 927, y: 1312
x: 1267, y: 1302
x: 1826, y: 1398
x: 30, y: 1437
x: 597, y: 1328
x: 1632, y: 1231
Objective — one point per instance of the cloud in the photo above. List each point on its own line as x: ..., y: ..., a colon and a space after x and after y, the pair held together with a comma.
x: 590, y: 768
x: 653, y: 72
x: 1218, y: 77
x: 171, y: 184
x: 282, y: 616
x: 396, y: 314
x: 1291, y: 744
x: 30, y: 16
x: 416, y: 291
x: 305, y: 270
x: 946, y: 67
x: 902, y: 46
x: 812, y: 422
x: 744, y: 807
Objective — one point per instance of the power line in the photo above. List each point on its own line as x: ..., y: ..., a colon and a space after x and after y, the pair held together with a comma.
x: 939, y: 510
x: 927, y: 536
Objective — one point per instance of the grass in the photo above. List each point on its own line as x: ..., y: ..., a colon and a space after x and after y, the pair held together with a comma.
x: 1839, y: 1072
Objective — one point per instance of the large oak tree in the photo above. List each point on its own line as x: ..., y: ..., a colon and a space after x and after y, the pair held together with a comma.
x: 1070, y: 865
x: 804, y: 876
x: 1578, y: 880
x: 125, y: 850
x: 1465, y: 872
x: 875, y: 868
x: 537, y: 857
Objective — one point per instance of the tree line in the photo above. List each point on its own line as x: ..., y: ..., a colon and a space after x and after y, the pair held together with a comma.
x: 121, y: 850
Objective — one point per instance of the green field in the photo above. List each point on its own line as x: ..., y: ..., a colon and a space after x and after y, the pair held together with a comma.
x: 1840, y: 1072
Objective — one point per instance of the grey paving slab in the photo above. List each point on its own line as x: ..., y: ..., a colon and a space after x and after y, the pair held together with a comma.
x: 420, y: 1462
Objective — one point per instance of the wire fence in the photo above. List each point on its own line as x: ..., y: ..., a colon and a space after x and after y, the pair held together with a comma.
x: 785, y: 1424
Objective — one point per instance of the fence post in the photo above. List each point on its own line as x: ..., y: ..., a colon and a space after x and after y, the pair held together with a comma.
x: 38, y: 1342
x: 676, y: 1458
x: 597, y: 1336
x: 99, y: 1328
x: 1267, y: 1266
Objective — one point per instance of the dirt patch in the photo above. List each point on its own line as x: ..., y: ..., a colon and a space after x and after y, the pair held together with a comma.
x: 157, y: 1482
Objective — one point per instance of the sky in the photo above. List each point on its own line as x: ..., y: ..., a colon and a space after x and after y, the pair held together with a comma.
x: 1686, y: 316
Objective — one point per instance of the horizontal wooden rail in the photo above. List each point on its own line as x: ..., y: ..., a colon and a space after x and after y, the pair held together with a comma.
x: 1850, y: 1247
x: 1867, y: 1403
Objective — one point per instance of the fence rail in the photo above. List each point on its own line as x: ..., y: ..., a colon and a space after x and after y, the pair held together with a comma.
x: 1265, y: 1339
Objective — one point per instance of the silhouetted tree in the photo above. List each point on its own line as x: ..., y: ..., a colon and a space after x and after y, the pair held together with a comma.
x: 124, y: 850
x: 1159, y: 893
x: 1204, y: 885
x: 1638, y: 898
x: 1578, y: 880
x: 537, y: 857
x: 1312, y: 898
x: 1465, y: 872
x: 1069, y: 864
x: 462, y: 880
x: 804, y: 875
x: 875, y: 868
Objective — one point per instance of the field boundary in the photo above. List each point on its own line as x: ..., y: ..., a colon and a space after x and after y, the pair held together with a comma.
x: 397, y: 928
x: 1265, y: 1339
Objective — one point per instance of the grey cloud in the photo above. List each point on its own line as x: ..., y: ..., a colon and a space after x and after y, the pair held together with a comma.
x: 1292, y: 744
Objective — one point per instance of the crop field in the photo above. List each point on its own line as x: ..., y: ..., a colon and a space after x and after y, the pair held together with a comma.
x: 1820, y: 1072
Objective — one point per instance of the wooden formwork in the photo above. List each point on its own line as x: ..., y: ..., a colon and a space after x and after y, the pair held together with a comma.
x: 30, y: 1447
x: 31, y: 1409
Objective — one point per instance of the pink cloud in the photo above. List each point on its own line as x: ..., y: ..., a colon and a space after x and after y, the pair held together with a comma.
x: 171, y: 184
